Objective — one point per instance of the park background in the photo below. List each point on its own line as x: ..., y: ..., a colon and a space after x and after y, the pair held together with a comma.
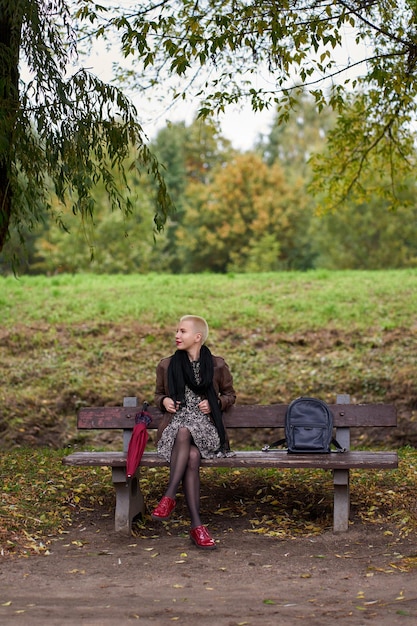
x: 301, y: 296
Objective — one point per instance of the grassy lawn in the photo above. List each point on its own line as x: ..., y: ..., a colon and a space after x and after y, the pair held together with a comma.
x: 281, y: 301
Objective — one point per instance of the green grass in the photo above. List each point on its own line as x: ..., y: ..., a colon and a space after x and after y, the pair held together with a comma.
x: 68, y: 341
x: 275, y: 301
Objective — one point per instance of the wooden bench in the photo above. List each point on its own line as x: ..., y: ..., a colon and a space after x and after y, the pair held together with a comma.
x: 129, y: 499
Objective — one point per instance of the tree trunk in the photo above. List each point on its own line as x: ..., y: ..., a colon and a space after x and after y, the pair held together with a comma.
x: 10, y: 34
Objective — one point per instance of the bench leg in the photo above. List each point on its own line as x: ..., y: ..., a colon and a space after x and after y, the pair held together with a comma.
x: 341, y: 508
x: 129, y: 500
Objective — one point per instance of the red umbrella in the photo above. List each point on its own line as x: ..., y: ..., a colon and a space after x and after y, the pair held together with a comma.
x: 137, y: 441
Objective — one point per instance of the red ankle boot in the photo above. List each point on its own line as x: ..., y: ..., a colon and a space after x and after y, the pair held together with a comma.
x: 164, y: 509
x: 200, y: 536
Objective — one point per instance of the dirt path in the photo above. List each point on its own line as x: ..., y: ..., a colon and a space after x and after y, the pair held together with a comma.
x: 92, y: 577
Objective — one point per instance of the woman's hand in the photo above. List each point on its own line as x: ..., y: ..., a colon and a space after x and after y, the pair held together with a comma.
x: 204, y: 407
x: 170, y: 405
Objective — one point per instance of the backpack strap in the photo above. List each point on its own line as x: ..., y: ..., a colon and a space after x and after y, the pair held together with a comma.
x: 337, y: 445
x: 276, y: 444
x: 281, y: 442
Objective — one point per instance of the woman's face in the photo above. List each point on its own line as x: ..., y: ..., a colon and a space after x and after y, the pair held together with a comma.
x: 186, y: 336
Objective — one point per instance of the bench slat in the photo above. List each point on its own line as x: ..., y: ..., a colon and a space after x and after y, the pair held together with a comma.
x: 244, y: 416
x: 353, y: 459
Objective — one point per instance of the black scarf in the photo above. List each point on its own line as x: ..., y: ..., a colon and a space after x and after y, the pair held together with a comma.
x: 181, y: 373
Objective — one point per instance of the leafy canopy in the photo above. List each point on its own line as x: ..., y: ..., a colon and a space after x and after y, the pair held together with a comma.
x: 358, y: 58
x: 62, y: 130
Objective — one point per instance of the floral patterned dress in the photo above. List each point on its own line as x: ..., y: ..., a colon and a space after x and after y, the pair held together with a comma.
x: 202, y: 429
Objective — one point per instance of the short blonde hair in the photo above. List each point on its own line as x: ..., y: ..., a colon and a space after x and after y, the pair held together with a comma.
x: 199, y: 324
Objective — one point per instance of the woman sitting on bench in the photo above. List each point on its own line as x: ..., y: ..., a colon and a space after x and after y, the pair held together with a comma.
x: 193, y: 388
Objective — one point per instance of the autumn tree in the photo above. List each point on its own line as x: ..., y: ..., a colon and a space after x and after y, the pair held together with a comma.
x: 189, y: 155
x: 247, y: 219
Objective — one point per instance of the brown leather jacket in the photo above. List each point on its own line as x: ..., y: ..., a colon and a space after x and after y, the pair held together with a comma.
x: 222, y: 382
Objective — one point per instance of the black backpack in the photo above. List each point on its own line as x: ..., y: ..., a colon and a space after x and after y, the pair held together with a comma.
x: 308, y: 428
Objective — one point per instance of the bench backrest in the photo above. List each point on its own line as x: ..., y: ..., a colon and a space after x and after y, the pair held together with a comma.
x: 244, y: 416
x: 346, y: 416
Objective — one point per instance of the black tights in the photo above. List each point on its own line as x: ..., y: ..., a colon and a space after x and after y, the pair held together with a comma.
x: 185, y: 467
